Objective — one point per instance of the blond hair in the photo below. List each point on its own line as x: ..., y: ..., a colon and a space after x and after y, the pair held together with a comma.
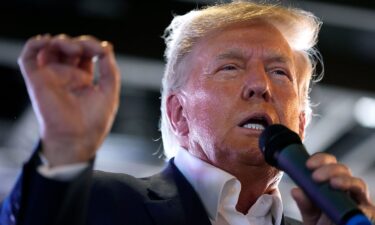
x: 299, y: 28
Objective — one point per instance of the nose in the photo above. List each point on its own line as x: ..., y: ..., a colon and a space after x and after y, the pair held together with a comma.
x: 256, y: 85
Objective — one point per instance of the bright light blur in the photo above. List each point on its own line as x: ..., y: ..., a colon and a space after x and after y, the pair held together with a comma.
x: 364, y: 112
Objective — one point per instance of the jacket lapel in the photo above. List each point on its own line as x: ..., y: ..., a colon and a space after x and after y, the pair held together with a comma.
x: 173, y: 200
x: 290, y: 221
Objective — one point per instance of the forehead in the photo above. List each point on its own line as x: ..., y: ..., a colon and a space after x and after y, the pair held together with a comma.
x: 243, y: 39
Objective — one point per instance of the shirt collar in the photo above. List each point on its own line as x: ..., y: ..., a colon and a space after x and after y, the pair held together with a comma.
x: 212, y: 185
x: 207, y: 180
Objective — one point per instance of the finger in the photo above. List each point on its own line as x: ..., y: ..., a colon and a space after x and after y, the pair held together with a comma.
x: 320, y: 159
x: 75, y: 78
x: 64, y: 50
x: 87, y: 65
x: 326, y: 172
x: 91, y: 46
x: 28, y: 58
x: 109, y: 80
x: 354, y: 185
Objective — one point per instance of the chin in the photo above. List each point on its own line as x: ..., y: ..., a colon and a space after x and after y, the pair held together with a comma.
x: 252, y: 157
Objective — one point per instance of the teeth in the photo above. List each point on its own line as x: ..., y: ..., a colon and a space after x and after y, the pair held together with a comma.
x: 254, y: 126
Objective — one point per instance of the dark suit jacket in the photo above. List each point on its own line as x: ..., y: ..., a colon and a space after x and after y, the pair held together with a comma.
x: 100, y: 198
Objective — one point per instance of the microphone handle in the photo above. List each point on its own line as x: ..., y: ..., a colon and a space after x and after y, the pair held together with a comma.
x: 336, y: 204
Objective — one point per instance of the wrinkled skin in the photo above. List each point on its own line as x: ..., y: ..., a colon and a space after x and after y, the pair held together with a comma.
x: 236, y: 72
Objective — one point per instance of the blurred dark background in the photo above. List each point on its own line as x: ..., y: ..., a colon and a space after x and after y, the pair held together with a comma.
x: 344, y: 121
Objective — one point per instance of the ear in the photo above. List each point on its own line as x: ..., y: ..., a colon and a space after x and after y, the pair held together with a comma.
x: 176, y: 115
x: 302, y: 124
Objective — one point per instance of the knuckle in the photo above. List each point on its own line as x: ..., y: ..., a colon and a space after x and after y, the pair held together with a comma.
x: 87, y: 38
x: 62, y: 36
x: 361, y: 183
x: 346, y: 168
x: 107, y: 45
x: 328, y: 158
x: 337, y: 169
x: 321, y: 159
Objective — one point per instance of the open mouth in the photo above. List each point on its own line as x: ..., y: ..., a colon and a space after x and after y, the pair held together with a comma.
x: 256, y: 123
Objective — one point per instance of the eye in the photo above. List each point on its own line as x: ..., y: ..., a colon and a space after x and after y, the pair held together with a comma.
x: 228, y: 67
x: 228, y: 70
x: 281, y: 73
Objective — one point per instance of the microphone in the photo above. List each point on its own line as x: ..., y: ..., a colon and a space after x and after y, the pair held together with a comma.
x: 283, y: 149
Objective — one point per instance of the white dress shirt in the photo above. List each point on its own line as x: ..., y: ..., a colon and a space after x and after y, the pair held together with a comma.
x: 219, y: 192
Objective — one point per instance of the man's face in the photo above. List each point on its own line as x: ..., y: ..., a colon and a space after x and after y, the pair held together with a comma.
x: 242, y: 78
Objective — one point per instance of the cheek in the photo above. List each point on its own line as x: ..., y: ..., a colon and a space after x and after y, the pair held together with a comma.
x: 208, y: 112
x: 289, y: 109
x: 203, y: 111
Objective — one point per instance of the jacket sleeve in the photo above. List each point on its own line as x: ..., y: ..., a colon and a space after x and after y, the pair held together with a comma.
x: 36, y: 200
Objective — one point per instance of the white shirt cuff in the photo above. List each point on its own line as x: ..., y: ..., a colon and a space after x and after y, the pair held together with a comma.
x: 60, y: 173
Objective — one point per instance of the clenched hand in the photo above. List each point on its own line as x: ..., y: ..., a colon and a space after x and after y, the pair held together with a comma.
x: 74, y: 112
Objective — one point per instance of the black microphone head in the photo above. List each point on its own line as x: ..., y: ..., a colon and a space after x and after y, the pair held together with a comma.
x: 275, y: 138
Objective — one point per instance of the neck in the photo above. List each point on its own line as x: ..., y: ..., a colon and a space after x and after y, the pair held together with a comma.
x: 261, y: 181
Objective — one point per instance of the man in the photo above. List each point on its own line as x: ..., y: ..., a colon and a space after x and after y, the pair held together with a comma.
x: 232, y: 70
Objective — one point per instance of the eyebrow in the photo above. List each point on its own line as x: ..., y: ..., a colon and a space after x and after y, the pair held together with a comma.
x: 231, y: 54
x: 277, y: 57
x: 239, y: 54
